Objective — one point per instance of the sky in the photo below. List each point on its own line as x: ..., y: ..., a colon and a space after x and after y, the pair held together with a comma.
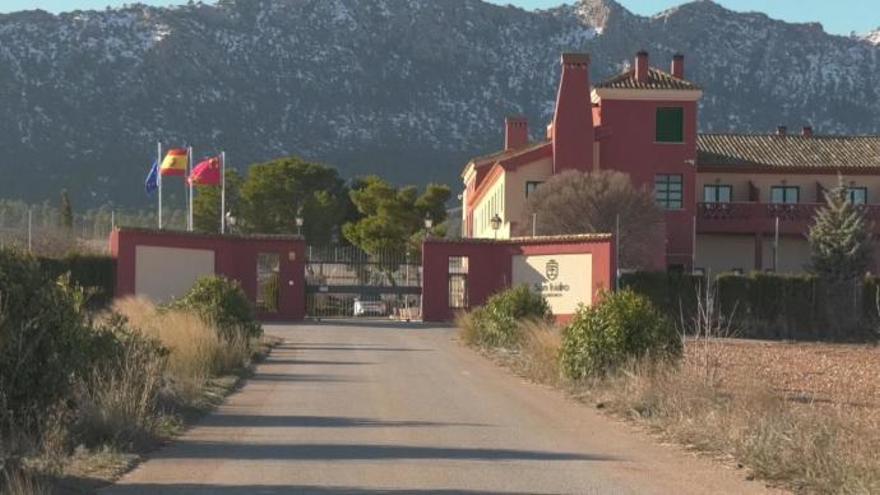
x: 838, y: 16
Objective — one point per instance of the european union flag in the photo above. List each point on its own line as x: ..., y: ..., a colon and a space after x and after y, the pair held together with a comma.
x: 152, y: 183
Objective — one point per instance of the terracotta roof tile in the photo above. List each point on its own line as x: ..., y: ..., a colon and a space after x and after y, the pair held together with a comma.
x: 788, y: 151
x: 528, y: 240
x: 498, y: 156
x: 657, y: 79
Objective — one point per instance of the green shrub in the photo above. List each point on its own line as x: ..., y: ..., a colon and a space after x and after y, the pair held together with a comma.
x: 497, y: 324
x: 221, y: 302
x: 672, y: 293
x: 45, y: 339
x: 97, y: 274
x: 622, y: 327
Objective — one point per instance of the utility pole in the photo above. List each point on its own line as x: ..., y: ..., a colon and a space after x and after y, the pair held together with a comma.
x: 30, y: 229
x: 617, y: 252
x: 776, y: 247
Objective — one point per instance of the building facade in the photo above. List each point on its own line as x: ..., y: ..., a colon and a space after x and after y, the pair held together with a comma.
x: 731, y: 201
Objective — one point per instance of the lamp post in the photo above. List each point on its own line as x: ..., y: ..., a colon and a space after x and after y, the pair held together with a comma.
x: 299, y: 222
x: 230, y: 220
x: 496, y: 224
x: 429, y: 224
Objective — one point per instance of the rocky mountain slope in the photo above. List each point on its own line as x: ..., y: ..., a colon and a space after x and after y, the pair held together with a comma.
x: 405, y: 88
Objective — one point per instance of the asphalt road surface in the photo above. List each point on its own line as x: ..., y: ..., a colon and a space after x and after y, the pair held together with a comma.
x: 380, y: 408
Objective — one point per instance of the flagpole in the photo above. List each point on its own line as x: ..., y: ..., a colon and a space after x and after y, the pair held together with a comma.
x: 189, y: 218
x: 159, y: 178
x: 222, y: 192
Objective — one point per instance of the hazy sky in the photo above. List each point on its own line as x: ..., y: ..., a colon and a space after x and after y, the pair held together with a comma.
x: 838, y: 16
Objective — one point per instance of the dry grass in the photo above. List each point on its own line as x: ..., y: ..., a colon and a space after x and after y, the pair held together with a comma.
x: 467, y: 328
x: 539, y: 352
x: 118, y: 403
x: 803, y: 415
x: 811, y: 447
x: 21, y: 483
x: 197, y: 351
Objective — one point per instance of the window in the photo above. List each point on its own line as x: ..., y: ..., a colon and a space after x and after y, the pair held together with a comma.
x: 857, y: 195
x: 668, y: 191
x: 268, y: 282
x: 670, y: 125
x: 458, y: 283
x: 785, y: 194
x: 717, y: 193
x: 531, y: 186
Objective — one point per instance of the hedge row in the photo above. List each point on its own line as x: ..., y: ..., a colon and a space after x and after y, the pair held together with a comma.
x: 95, y: 273
x: 761, y: 305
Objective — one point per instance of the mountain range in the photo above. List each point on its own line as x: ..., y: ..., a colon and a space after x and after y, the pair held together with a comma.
x: 408, y: 89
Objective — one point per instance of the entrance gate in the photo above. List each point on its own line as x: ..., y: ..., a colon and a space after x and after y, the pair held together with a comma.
x: 344, y: 281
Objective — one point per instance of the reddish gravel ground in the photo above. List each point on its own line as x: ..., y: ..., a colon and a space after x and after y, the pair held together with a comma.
x: 846, y: 375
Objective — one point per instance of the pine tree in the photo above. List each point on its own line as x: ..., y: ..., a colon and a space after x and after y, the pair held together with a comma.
x: 840, y: 238
x: 66, y: 211
x: 840, y: 244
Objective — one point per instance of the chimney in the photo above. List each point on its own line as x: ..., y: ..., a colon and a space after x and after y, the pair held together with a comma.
x: 781, y: 130
x: 678, y: 66
x: 573, y: 133
x: 808, y: 131
x: 642, y: 66
x: 516, y: 132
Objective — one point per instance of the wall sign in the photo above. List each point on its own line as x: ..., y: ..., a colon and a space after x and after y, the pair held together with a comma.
x: 565, y: 280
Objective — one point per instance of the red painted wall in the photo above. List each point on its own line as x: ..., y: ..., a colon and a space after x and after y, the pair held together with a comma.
x: 573, y: 133
x: 490, y: 268
x: 628, y: 144
x: 234, y: 257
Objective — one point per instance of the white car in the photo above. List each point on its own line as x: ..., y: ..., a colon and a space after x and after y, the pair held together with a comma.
x: 374, y: 308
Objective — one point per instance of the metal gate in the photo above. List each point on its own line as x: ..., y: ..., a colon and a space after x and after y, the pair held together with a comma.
x: 345, y: 282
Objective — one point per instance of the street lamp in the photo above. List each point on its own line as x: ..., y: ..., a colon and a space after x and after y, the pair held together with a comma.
x: 496, y: 224
x: 299, y: 222
x: 429, y: 223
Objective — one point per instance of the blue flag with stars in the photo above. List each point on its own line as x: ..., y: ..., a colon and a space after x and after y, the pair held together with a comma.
x: 152, y: 183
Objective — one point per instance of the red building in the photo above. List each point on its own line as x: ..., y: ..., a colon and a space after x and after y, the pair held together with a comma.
x: 721, y: 193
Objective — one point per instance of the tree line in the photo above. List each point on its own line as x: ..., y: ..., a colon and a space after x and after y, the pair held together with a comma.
x: 368, y: 212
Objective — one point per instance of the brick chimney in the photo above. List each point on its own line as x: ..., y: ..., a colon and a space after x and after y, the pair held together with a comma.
x: 573, y: 133
x: 642, y: 66
x: 678, y: 66
x: 808, y: 131
x: 516, y: 132
x: 781, y: 130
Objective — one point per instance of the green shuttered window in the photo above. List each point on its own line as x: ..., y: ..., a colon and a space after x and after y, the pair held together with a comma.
x: 670, y: 125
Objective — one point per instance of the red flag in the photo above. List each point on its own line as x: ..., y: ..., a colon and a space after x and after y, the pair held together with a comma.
x: 206, y: 173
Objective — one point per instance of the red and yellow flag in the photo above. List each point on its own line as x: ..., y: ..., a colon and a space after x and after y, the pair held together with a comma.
x: 175, y: 162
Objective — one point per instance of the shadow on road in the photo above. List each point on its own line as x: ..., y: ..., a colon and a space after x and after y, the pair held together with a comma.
x: 178, y: 489
x: 298, y: 377
x: 340, y: 347
x: 272, y: 362
x: 343, y: 452
x: 251, y: 421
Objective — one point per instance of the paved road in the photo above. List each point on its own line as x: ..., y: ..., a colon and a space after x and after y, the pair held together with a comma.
x: 381, y: 409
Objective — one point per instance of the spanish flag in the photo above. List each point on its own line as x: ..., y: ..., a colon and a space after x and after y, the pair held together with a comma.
x: 175, y: 162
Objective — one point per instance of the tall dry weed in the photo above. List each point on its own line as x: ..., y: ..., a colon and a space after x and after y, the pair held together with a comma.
x: 118, y: 403
x: 19, y: 482
x: 540, y: 349
x: 197, y: 351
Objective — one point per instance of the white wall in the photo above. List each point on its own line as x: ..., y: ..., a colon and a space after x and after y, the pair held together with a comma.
x: 163, y: 274
x: 571, y: 286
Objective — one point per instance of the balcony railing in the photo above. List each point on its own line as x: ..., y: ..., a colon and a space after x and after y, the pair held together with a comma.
x: 737, y: 218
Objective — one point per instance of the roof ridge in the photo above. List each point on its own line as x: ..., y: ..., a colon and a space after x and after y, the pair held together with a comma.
x: 794, y: 135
